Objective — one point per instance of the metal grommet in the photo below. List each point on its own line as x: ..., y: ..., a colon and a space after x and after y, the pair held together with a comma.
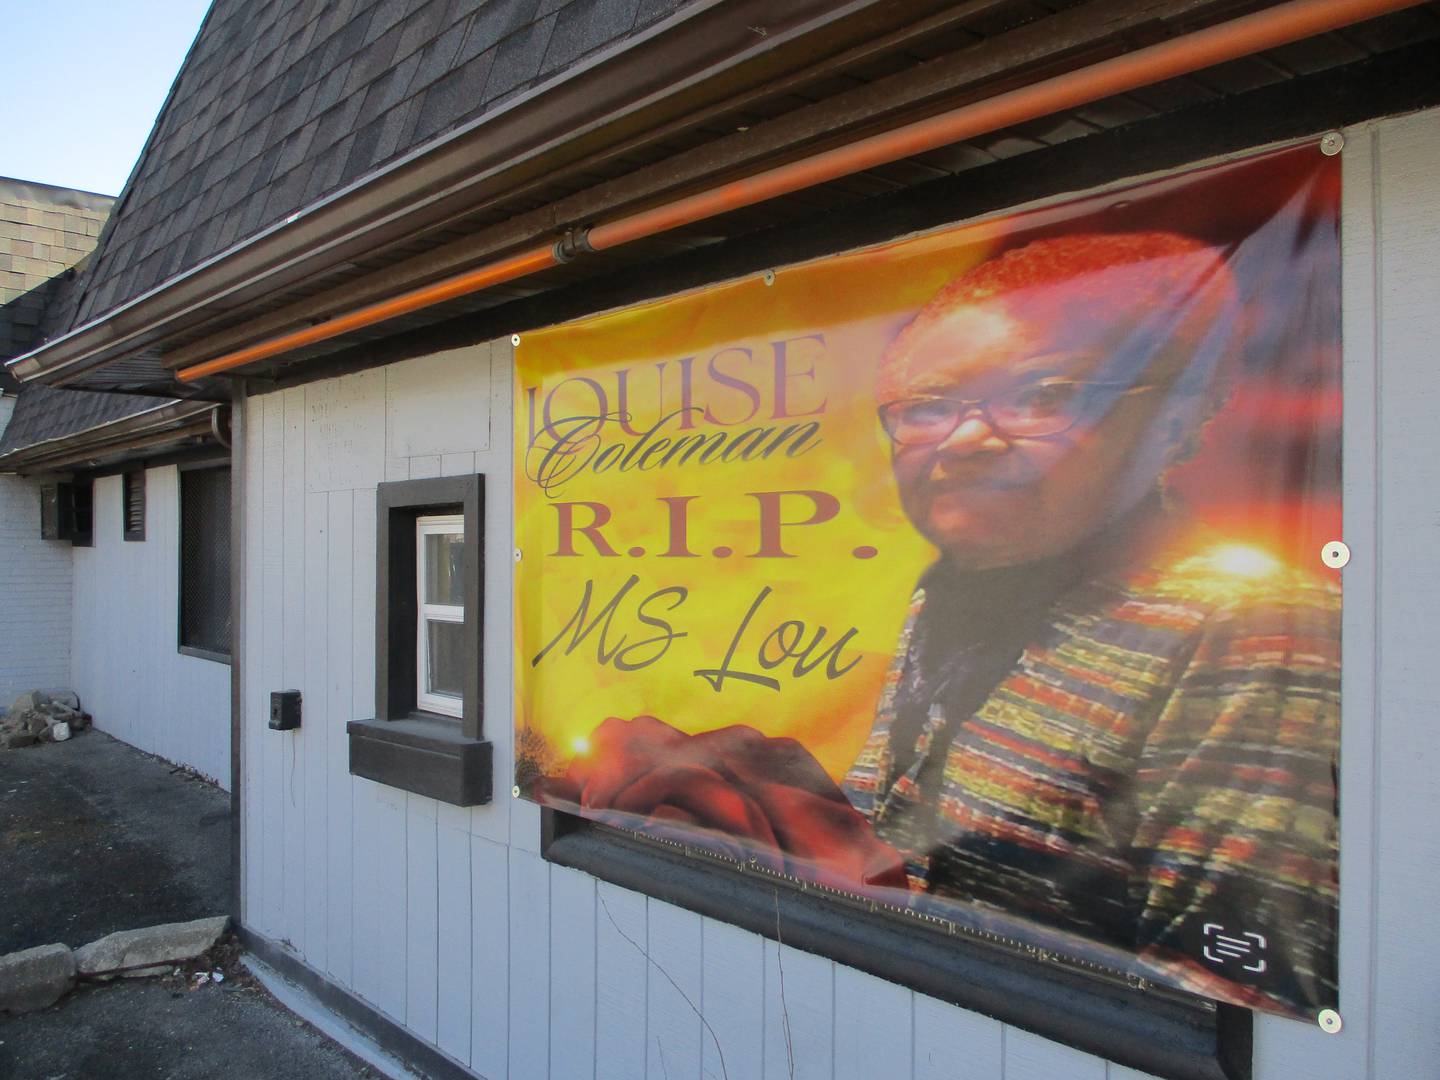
x: 768, y: 277
x: 1335, y: 554
x: 517, y: 554
x: 1329, y: 1021
x: 515, y: 791
x: 1331, y: 143
x: 514, y: 339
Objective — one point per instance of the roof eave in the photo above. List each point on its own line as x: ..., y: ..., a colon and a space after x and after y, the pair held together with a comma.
x: 657, y: 72
x: 148, y: 429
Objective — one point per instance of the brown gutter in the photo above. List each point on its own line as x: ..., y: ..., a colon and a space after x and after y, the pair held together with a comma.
x: 708, y: 48
x: 62, y: 460
x: 515, y: 266
x: 1268, y: 29
x: 166, y: 423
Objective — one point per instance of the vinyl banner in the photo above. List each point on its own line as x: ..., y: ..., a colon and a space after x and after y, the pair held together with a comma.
x: 977, y: 574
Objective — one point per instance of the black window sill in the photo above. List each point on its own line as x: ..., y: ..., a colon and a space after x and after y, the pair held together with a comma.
x: 426, y: 754
x: 203, y: 654
x: 1163, y: 1033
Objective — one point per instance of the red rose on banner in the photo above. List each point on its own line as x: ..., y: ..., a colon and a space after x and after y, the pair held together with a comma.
x: 766, y: 798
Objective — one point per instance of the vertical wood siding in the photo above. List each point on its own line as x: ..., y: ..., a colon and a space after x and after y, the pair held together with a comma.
x: 448, y: 921
x: 124, y: 637
x: 1405, y: 851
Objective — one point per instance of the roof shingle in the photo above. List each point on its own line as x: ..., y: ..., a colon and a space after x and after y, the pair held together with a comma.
x: 44, y: 231
x: 277, y: 107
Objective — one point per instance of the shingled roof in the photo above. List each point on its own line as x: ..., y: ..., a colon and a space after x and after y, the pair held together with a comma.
x: 43, y: 413
x: 44, y: 231
x: 318, y: 156
x: 281, y: 103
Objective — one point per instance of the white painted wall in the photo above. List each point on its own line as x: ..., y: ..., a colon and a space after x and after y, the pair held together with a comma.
x: 35, y: 589
x: 126, y: 666
x: 522, y: 969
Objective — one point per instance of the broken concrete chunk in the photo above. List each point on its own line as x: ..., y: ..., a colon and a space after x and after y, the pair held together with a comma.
x: 143, y: 973
x: 66, y: 698
x: 151, y: 950
x: 34, y: 978
x: 31, y: 699
x: 37, y: 714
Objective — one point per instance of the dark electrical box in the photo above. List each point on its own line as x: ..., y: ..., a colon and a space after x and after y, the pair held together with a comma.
x: 284, y: 710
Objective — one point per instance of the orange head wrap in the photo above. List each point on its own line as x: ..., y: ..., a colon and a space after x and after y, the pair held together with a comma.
x: 1153, y: 302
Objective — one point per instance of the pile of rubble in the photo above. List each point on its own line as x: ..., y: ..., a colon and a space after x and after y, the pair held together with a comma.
x: 41, y: 716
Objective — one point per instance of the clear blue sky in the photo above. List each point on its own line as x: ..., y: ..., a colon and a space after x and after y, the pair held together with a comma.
x: 82, y: 82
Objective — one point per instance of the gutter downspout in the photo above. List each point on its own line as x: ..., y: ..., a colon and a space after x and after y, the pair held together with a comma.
x: 238, y: 659
x: 1268, y: 29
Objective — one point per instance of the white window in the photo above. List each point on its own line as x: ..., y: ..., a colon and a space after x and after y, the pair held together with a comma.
x: 440, y: 628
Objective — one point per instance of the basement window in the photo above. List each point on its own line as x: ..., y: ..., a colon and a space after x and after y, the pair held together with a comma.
x: 427, y: 734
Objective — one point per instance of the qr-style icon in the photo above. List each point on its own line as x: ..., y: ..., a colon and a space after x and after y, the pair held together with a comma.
x: 1220, y: 948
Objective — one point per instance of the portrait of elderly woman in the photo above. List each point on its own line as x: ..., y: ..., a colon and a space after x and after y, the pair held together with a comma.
x: 1104, y: 720
x: 1101, y: 717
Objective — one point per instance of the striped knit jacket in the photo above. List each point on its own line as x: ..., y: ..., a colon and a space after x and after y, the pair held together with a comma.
x: 1156, y: 773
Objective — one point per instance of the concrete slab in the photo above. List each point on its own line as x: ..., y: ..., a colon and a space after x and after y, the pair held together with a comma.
x: 34, y: 978
x: 142, y: 951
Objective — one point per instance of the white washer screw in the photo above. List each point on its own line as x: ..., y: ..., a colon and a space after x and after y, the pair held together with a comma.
x: 1330, y: 1022
x: 768, y: 277
x: 1331, y: 143
x: 517, y: 554
x: 514, y: 339
x: 1335, y: 554
x: 515, y: 791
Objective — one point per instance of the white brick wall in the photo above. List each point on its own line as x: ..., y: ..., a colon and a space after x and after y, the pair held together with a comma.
x: 35, y: 592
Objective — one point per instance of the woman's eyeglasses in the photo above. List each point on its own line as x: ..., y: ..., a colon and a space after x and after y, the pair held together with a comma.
x: 1033, y: 410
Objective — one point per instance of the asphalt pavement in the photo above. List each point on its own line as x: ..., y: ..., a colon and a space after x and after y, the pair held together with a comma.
x: 97, y: 837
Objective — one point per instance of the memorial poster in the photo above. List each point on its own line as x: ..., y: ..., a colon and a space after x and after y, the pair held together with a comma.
x: 976, y: 574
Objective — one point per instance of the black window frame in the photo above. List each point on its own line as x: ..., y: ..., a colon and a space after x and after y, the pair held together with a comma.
x: 67, y: 511
x: 132, y: 504
x: 1157, y: 1030
x: 404, y: 746
x: 224, y: 533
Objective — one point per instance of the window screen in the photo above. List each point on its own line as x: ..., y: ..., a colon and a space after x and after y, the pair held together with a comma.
x: 205, y: 560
